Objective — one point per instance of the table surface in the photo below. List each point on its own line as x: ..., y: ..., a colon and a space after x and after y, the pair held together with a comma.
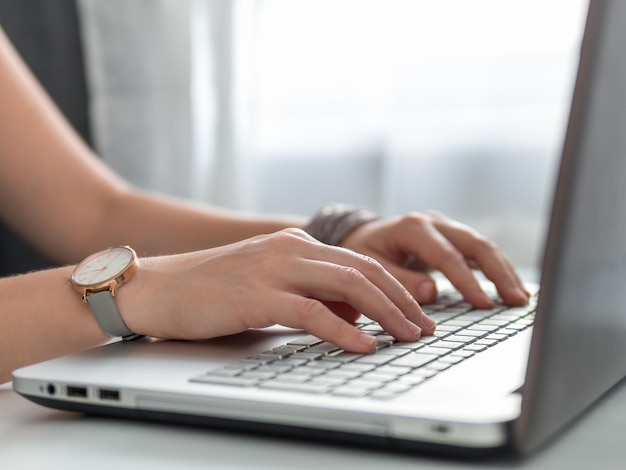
x: 32, y: 436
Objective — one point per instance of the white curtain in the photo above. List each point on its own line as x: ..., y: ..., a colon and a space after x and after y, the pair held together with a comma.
x: 283, y: 105
x: 168, y: 81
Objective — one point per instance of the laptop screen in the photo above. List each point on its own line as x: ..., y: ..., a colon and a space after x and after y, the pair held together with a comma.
x: 579, y: 350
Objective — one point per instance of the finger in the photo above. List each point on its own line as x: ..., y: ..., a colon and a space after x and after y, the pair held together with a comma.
x: 313, y: 316
x: 489, y: 259
x: 420, y: 284
x: 343, y: 310
x: 338, y: 274
x: 425, y: 241
x: 380, y: 298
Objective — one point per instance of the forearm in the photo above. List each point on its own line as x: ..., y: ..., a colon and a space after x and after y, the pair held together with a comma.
x: 42, y: 317
x: 60, y: 197
x: 157, y: 224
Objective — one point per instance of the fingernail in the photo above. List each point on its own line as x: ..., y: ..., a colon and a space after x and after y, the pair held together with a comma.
x: 522, y: 295
x: 489, y: 303
x: 415, y: 330
x: 429, y: 322
x: 367, y: 341
x: 426, y: 292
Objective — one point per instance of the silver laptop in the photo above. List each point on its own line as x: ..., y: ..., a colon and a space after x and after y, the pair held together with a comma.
x: 502, y: 379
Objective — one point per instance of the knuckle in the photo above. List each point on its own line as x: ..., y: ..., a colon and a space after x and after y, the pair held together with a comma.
x: 296, y: 232
x: 414, y: 220
x: 349, y: 276
x: 407, y: 300
x: 343, y: 329
x: 369, y: 264
x: 450, y: 256
x: 308, y: 311
x: 486, y: 244
x: 482, y: 244
x: 290, y: 237
x: 436, y: 215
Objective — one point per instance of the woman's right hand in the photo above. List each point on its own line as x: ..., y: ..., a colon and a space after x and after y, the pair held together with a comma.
x: 286, y: 278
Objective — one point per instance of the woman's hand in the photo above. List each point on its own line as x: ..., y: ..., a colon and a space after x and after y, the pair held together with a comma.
x: 286, y: 278
x: 411, y: 246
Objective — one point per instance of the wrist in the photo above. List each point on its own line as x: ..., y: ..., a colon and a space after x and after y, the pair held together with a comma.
x: 334, y: 222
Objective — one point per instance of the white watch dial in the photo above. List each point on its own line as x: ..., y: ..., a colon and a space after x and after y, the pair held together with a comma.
x: 103, y: 266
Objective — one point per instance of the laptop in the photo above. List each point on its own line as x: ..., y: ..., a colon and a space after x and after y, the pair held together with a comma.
x: 487, y: 381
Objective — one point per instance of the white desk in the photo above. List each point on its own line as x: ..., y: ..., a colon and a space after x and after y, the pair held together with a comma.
x: 35, y: 437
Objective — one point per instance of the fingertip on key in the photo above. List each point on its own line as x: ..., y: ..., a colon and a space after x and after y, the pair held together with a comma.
x: 429, y: 324
x: 414, y: 330
x: 519, y: 296
x: 367, y: 341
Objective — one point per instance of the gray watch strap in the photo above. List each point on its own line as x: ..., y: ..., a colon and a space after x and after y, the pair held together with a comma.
x: 107, y: 315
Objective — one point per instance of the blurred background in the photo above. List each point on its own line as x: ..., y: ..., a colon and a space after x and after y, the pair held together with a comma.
x: 280, y: 106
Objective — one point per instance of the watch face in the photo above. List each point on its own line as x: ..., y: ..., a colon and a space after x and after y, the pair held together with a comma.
x: 103, y: 266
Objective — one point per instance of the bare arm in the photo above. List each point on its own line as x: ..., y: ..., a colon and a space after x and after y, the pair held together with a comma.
x: 56, y: 194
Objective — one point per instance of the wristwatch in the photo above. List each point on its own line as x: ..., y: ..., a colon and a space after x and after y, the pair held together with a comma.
x: 97, y: 279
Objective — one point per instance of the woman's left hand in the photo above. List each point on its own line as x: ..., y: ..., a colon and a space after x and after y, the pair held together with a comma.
x: 412, y: 246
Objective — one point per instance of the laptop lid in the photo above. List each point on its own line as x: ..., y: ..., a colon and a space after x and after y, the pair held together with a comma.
x: 578, y: 350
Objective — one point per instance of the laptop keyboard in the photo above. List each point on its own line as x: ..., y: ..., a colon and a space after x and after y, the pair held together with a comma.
x: 313, y: 366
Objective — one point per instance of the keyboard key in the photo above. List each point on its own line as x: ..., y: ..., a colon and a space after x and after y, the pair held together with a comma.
x: 412, y: 379
x: 464, y: 353
x: 305, y: 341
x: 277, y: 366
x: 348, y: 391
x: 394, y: 370
x: 374, y: 376
x: 433, y: 351
x: 426, y: 339
x: 323, y: 348
x: 286, y: 350
x: 360, y: 366
x: 480, y: 327
x: 448, y: 327
x: 450, y: 345
x: 328, y: 381
x: 373, y: 327
x: 369, y: 385
x: 473, y: 333
x: 260, y: 359
x: 306, y: 387
x: 306, y: 355
x: 498, y: 336
x: 459, y: 339
x: 450, y: 359
x: 391, y: 351
x: 253, y: 374
x: 343, y: 373
x: 384, y: 341
x: 383, y: 394
x: 374, y: 359
x: 225, y: 380
x: 413, y: 360
x: 342, y: 357
x: 438, y: 366
x: 310, y: 365
x: 227, y: 371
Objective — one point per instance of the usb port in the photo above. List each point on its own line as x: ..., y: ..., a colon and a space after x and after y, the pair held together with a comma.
x: 77, y: 392
x: 109, y: 394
